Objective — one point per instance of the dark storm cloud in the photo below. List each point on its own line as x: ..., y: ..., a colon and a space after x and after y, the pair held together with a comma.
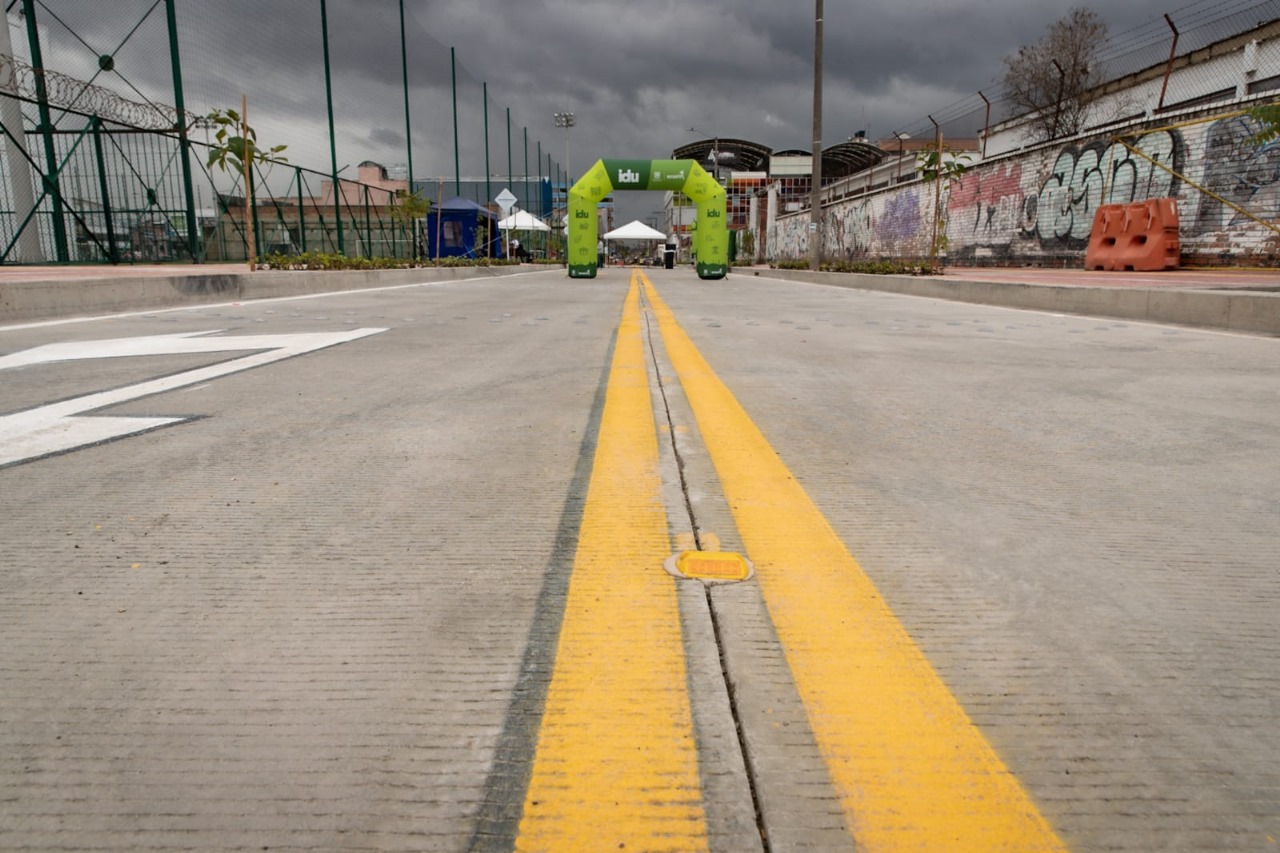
x: 740, y: 67
x: 638, y: 75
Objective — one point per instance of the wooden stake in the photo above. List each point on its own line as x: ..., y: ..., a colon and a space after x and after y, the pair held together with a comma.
x: 248, y: 188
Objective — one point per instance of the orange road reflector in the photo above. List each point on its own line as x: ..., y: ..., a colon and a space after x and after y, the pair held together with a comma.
x: 710, y: 566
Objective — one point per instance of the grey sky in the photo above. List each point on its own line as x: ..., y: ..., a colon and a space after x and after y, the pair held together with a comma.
x: 637, y: 73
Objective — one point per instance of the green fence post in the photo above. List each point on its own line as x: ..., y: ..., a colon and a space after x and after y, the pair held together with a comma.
x: 333, y: 143
x: 112, y: 256
x: 253, y: 214
x: 404, y: 68
x: 302, y: 213
x: 368, y: 226
x: 46, y: 128
x: 179, y: 103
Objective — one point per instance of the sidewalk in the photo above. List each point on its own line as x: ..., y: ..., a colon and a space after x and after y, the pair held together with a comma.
x: 47, y: 292
x: 1244, y: 300
x: 1227, y: 299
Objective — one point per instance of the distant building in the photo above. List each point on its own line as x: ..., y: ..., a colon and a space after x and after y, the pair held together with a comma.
x: 372, y: 186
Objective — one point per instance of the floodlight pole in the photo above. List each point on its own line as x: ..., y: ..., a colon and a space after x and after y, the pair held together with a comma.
x: 815, y: 201
x: 566, y: 120
x: 488, y: 188
x: 457, y: 169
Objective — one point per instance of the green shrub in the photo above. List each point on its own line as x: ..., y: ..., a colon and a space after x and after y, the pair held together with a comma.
x: 881, y: 267
x: 334, y: 261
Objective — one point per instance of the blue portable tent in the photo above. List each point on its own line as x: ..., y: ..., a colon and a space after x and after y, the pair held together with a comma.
x: 459, y: 226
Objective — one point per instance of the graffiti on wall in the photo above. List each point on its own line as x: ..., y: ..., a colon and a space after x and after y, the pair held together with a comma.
x: 982, y: 203
x: 1062, y: 211
x: 1241, y: 171
x: 1042, y: 204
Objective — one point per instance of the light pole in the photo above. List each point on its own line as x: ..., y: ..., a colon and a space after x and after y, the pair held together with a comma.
x: 566, y: 121
x: 815, y: 202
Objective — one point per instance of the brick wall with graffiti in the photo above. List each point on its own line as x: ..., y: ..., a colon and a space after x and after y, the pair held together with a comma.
x: 1037, y: 207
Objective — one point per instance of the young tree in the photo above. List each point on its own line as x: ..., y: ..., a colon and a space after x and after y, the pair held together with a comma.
x: 236, y: 152
x: 946, y: 167
x: 1053, y: 79
x: 238, y: 143
x: 1267, y: 116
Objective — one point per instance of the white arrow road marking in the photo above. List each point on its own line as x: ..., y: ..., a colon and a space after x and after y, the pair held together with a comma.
x: 59, y: 427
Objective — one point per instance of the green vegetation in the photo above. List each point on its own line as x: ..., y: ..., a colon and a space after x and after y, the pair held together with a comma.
x: 865, y: 267
x: 237, y: 143
x: 1268, y: 117
x: 410, y: 207
x: 327, y: 261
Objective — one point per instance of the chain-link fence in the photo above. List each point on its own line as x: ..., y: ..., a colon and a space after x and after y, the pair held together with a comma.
x: 104, y: 140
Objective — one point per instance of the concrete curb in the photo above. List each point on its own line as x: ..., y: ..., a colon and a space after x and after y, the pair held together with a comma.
x: 39, y: 300
x: 1233, y: 310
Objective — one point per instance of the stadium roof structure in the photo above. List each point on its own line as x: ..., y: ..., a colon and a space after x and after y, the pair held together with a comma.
x: 740, y: 155
x: 848, y: 158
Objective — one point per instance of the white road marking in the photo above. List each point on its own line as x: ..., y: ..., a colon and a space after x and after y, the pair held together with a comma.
x: 59, y: 427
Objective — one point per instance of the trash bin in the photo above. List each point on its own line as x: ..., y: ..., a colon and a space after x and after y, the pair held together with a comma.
x: 669, y: 256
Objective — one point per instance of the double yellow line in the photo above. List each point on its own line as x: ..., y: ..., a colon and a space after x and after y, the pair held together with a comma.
x: 616, y: 762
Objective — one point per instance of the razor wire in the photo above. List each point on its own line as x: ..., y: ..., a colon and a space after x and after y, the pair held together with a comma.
x: 75, y: 95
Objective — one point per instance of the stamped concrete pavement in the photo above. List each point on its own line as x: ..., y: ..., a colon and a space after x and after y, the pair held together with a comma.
x: 322, y: 610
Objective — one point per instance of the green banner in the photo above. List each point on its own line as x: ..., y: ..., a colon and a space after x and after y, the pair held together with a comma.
x: 628, y: 174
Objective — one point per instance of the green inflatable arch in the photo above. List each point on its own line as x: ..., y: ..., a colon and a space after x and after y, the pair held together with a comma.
x: 710, y: 236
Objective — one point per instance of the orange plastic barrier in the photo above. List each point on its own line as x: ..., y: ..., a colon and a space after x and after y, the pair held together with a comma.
x: 1141, y: 237
x: 1104, y: 237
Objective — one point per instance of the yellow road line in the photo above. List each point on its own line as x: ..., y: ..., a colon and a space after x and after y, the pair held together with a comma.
x: 616, y: 762
x: 912, y: 770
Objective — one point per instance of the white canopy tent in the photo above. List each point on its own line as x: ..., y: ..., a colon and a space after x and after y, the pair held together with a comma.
x: 523, y: 220
x: 520, y: 220
x: 636, y: 230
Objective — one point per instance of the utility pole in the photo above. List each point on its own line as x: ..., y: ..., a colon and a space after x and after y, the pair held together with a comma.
x: 815, y: 202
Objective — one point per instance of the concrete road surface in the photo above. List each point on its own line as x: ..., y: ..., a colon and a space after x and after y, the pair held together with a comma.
x: 385, y: 571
